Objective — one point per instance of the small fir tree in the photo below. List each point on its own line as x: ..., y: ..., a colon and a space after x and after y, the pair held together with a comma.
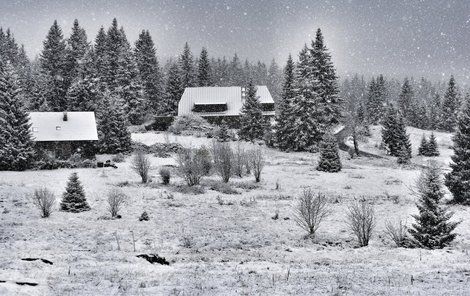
x: 73, y: 199
x: 404, y: 156
x: 329, y: 155
x: 458, y: 180
x: 433, y: 149
x: 450, y: 107
x: 432, y: 228
x: 423, y: 146
x: 252, y: 122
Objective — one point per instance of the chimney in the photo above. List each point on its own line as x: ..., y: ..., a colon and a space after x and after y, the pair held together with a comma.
x: 65, y: 117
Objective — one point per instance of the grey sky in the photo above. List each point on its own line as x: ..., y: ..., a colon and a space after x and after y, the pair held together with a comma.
x: 420, y: 38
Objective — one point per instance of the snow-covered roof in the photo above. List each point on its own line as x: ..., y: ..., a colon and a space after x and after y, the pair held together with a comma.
x: 51, y: 126
x: 232, y: 96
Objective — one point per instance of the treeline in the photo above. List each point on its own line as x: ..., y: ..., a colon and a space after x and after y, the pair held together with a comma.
x: 422, y: 103
x: 76, y: 74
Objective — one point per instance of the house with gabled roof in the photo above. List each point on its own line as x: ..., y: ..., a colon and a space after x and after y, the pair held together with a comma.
x: 221, y: 103
x: 61, y: 134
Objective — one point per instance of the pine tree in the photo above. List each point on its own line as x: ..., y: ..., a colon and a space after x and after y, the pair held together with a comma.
x: 433, y: 149
x: 283, y: 134
x: 73, y: 199
x: 432, y: 229
x: 77, y: 48
x: 149, y: 71
x: 306, y: 129
x: 188, y: 77
x: 112, y: 128
x: 235, y: 72
x: 450, y: 107
x: 204, y: 69
x: 458, y: 180
x: 252, y: 122
x: 323, y: 71
x: 16, y: 144
x: 329, y: 155
x: 100, y: 57
x: 274, y: 82
x: 406, y: 100
x: 394, y: 135
x: 423, y: 147
x: 376, y: 100
x: 434, y: 117
x: 173, y: 91
x: 53, y: 64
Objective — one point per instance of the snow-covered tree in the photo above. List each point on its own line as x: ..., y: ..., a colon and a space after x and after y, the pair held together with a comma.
x: 283, y: 133
x: 77, y: 48
x: 73, y: 199
x: 376, y: 100
x: 394, y: 135
x: 406, y: 100
x: 423, y: 146
x: 432, y: 228
x: 16, y: 144
x: 433, y: 149
x: 458, y: 180
x: 112, y: 127
x: 149, y: 71
x: 204, y: 69
x: 173, y: 91
x: 434, y: 113
x: 53, y: 64
x: 450, y: 107
x: 187, y: 70
x: 329, y: 155
x: 252, y: 122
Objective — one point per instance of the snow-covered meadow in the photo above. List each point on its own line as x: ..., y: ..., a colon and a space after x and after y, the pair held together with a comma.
x: 226, y: 244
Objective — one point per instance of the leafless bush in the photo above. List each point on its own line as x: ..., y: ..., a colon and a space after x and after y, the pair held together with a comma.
x: 116, y: 199
x: 141, y: 165
x: 311, y: 210
x: 397, y: 233
x: 239, y: 161
x: 361, y: 221
x: 222, y: 155
x: 256, y: 157
x: 190, y: 166
x: 44, y: 200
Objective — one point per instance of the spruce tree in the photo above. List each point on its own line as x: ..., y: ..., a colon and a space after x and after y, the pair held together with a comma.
x: 252, y: 122
x: 149, y: 71
x: 283, y: 135
x: 235, y: 72
x: 73, y: 199
x: 394, y: 135
x: 450, y: 107
x: 77, y: 48
x: 16, y: 143
x: 306, y: 129
x: 329, y: 155
x: 432, y: 228
x: 324, y: 72
x: 188, y: 75
x: 274, y: 82
x: 406, y: 100
x: 100, y: 57
x: 458, y: 180
x: 434, y: 117
x: 52, y: 62
x: 112, y: 128
x: 423, y: 146
x: 376, y: 100
x: 173, y: 92
x: 433, y: 149
x: 204, y: 69
x: 403, y: 139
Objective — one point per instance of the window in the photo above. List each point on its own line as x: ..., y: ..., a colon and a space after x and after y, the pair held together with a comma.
x: 57, y: 128
x: 215, y: 107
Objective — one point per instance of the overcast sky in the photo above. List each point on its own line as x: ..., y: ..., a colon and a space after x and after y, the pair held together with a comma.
x: 405, y: 38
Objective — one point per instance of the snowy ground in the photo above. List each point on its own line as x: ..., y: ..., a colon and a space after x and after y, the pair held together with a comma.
x: 230, y: 249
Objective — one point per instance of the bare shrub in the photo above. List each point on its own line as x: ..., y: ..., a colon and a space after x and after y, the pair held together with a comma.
x: 116, y: 199
x: 205, y: 157
x: 397, y: 233
x: 361, y: 221
x: 311, y: 210
x: 165, y: 174
x: 44, y: 200
x: 256, y: 157
x: 239, y: 159
x: 141, y: 165
x: 191, y: 166
x: 222, y: 155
